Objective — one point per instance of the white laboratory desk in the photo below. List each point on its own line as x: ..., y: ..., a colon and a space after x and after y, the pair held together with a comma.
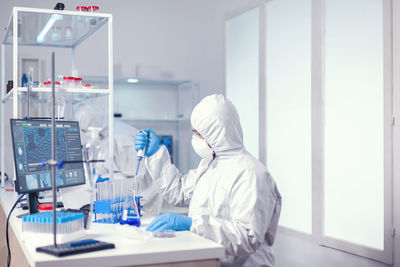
x: 186, y: 249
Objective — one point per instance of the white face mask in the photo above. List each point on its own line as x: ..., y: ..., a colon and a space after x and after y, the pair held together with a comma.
x: 201, y: 147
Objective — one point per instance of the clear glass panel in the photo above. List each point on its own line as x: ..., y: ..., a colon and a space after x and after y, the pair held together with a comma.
x: 60, y: 30
x: 354, y: 174
x: 289, y: 107
x: 242, y: 41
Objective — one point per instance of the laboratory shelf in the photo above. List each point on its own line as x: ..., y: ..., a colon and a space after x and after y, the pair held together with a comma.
x: 38, y: 27
x: 47, y: 28
x: 96, y: 92
x: 154, y: 120
x: 137, y: 81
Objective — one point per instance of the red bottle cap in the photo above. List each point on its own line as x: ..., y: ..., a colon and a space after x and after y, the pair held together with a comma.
x: 45, y: 207
x: 93, y: 8
x: 82, y: 8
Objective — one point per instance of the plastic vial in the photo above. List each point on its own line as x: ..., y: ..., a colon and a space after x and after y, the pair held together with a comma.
x: 93, y: 9
x: 56, y: 35
x: 68, y: 33
x: 78, y: 82
x: 86, y: 85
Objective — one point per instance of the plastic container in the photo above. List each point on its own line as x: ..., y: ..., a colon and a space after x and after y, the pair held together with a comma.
x: 56, y: 34
x: 168, y: 233
x: 68, y: 82
x: 86, y: 85
x: 77, y: 82
x: 93, y: 9
x: 47, y: 84
x: 68, y: 33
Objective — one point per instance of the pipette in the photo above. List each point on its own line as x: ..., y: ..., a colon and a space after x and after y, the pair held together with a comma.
x: 140, y: 153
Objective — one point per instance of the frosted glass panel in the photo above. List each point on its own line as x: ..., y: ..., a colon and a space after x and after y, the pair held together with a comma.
x: 242, y: 73
x: 289, y: 107
x: 354, y: 174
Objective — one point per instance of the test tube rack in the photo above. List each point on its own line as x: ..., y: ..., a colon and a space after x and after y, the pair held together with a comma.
x: 39, y: 226
x: 111, y: 211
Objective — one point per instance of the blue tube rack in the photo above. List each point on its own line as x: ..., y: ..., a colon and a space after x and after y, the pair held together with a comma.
x: 111, y: 211
x: 42, y: 222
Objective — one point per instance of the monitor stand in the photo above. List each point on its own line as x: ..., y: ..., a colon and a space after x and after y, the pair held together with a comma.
x: 33, y: 202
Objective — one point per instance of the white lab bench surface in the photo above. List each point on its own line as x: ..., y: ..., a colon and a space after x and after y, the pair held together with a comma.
x: 186, y: 249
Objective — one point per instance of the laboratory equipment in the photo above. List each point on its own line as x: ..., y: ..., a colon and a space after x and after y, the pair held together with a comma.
x: 130, y: 213
x: 82, y: 246
x: 141, y: 152
x: 164, y: 233
x: 32, y: 145
x: 68, y: 33
x: 77, y: 82
x: 60, y: 99
x: 56, y: 34
x: 42, y: 222
x: 93, y: 151
x: 111, y: 197
x: 24, y: 80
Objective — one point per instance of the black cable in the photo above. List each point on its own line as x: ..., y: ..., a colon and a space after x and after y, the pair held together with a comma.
x: 7, y: 239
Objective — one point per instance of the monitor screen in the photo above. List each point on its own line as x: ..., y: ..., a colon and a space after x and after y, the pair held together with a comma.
x: 32, y: 146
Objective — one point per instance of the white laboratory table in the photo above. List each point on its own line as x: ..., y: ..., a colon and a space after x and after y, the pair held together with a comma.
x: 186, y: 249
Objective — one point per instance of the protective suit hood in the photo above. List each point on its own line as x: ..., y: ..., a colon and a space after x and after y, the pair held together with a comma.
x: 217, y: 120
x: 90, y: 115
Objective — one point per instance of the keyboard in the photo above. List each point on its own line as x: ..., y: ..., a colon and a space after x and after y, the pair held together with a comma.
x: 77, y: 247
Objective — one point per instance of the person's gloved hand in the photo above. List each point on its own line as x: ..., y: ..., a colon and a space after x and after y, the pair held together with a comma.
x: 170, y: 221
x: 150, y: 139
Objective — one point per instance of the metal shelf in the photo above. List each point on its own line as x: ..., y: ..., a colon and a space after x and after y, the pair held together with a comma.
x: 37, y: 27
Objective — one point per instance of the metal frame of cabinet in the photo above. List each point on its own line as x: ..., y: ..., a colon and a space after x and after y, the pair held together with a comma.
x: 11, y: 37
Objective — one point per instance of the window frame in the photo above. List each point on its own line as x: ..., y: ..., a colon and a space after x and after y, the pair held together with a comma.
x: 391, y: 57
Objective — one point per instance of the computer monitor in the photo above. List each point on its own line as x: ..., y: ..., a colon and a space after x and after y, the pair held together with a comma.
x: 32, y: 145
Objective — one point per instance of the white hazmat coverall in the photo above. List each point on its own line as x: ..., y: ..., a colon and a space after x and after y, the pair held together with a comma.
x: 232, y: 198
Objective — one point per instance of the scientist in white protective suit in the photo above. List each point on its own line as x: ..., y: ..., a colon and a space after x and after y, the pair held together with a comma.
x: 232, y: 198
x: 125, y: 159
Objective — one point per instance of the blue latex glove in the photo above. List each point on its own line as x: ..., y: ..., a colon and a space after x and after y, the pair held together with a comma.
x: 153, y: 142
x: 170, y: 221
